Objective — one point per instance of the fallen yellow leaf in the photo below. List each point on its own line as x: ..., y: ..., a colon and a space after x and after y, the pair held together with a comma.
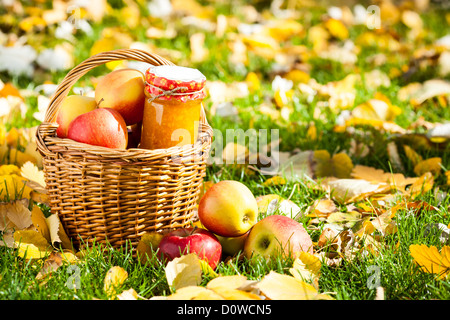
x: 412, y: 155
x: 321, y: 208
x: 339, y: 166
x: 430, y: 260
x: 8, y: 169
x: 306, y: 267
x: 194, y: 293
x: 31, y: 172
x: 337, y: 29
x: 184, y: 271
x: 253, y: 82
x: 274, y: 181
x: 231, y: 282
x: 114, y: 279
x: 129, y: 294
x: 40, y: 222
x: 276, y: 286
x: 57, y: 232
x: 422, y: 185
x: 31, y: 244
x: 432, y: 165
x: 13, y: 187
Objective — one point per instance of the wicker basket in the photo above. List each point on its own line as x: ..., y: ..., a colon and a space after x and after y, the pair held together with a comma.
x: 109, y: 195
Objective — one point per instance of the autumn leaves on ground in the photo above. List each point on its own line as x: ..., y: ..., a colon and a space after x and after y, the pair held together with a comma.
x: 362, y: 161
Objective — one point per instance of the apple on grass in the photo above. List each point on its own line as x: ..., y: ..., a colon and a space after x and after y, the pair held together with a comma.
x: 72, y: 107
x: 124, y: 91
x: 100, y: 127
x: 228, y: 209
x: 232, y: 245
x: 275, y: 235
x: 191, y: 240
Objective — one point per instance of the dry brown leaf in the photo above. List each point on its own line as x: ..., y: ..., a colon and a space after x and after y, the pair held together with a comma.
x: 15, y: 215
x: 396, y: 180
x: 352, y: 190
x: 51, y: 264
x: 384, y: 224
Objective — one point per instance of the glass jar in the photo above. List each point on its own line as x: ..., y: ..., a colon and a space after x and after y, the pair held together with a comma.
x: 174, y: 97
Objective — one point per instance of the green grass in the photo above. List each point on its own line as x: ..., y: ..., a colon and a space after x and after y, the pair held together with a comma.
x: 398, y: 275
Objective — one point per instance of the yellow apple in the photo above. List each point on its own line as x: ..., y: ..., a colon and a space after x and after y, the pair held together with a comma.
x: 124, y: 91
x: 228, y: 209
x: 275, y: 235
x: 72, y: 107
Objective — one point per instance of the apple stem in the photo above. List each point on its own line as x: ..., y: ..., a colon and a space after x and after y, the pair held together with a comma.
x: 193, y: 230
x: 98, y: 104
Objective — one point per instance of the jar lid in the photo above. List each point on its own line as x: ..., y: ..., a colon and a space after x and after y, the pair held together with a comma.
x: 175, y: 82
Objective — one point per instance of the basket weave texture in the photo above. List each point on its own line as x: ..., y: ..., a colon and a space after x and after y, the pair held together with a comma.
x: 110, y: 195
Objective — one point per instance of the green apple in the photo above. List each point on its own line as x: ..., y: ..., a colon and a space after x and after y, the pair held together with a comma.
x: 228, y: 209
x: 232, y: 245
x: 276, y: 235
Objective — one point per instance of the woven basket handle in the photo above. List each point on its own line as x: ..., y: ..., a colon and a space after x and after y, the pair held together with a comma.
x: 76, y: 73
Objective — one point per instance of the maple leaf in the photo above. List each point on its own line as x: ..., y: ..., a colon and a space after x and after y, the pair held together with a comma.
x: 32, y: 173
x: 431, y: 260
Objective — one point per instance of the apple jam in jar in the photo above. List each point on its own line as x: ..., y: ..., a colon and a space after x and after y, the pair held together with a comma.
x: 174, y: 97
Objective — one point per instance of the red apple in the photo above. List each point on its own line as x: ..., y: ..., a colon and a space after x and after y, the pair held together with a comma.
x: 191, y: 240
x: 276, y: 235
x: 124, y: 91
x: 72, y: 107
x: 100, y: 127
x: 228, y: 209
